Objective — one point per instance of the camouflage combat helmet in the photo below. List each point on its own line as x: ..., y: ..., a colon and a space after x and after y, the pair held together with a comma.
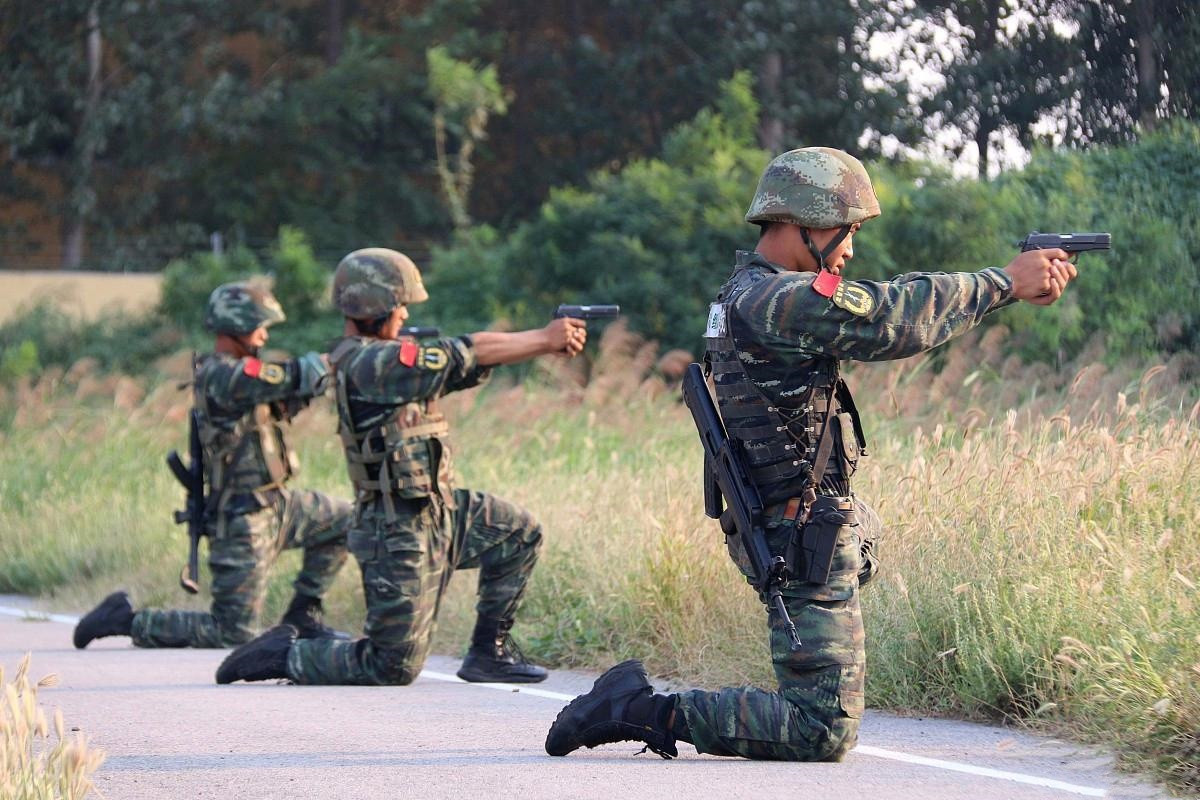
x: 241, y: 308
x: 814, y: 187
x: 369, y: 283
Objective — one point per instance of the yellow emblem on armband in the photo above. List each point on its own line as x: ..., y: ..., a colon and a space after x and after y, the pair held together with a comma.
x: 272, y: 373
x: 434, y: 358
x: 853, y: 298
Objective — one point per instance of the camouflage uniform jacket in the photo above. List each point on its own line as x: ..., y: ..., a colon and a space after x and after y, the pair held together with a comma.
x: 245, y: 406
x: 394, y: 436
x: 787, y: 332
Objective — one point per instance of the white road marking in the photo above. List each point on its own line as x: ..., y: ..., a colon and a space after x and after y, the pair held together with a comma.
x: 987, y: 772
x: 35, y: 615
x: 862, y: 749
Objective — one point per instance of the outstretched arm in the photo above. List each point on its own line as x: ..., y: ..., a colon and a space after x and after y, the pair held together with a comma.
x: 566, y: 336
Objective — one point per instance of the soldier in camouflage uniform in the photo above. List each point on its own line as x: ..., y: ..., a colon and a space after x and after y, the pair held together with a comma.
x: 245, y: 405
x: 414, y: 526
x: 776, y: 335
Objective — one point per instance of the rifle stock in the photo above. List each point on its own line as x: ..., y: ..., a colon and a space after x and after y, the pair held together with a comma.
x: 727, y: 482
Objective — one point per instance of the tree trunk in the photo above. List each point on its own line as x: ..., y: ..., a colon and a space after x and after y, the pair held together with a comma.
x: 989, y: 34
x: 79, y: 181
x: 770, y: 128
x: 335, y: 30
x: 1148, y: 68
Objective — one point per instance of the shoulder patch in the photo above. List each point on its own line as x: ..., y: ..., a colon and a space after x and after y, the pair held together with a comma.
x: 252, y: 367
x: 853, y: 298
x: 272, y: 373
x: 408, y: 352
x: 826, y: 283
x: 434, y: 358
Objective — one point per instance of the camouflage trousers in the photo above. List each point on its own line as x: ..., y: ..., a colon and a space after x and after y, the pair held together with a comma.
x: 406, y: 565
x: 241, y: 550
x: 815, y: 712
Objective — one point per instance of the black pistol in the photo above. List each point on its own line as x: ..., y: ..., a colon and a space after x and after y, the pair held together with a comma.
x: 1073, y: 243
x: 587, y: 312
x: 421, y: 331
x: 193, y: 513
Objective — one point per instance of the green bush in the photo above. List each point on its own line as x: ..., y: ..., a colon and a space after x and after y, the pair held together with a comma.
x: 45, y: 336
x: 300, y: 283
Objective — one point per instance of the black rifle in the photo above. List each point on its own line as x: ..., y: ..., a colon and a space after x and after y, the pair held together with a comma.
x: 726, y: 478
x: 193, y: 513
x: 587, y: 312
x: 1071, y: 242
x: 421, y: 331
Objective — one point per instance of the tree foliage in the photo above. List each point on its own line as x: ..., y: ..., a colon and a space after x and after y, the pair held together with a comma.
x: 658, y: 237
x: 654, y: 237
x: 1008, y: 68
x: 1141, y: 65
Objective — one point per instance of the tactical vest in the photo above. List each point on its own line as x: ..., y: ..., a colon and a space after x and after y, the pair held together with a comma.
x: 780, y: 442
x: 407, y: 455
x: 243, y: 455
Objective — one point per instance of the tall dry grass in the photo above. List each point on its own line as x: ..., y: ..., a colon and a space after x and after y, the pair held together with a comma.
x: 38, y: 760
x: 1041, y: 563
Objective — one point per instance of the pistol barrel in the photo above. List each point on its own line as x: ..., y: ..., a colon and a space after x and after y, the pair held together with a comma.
x: 1071, y: 242
x: 588, y: 312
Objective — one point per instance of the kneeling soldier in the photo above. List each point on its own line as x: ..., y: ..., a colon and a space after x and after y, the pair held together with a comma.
x: 414, y: 527
x: 777, y: 334
x: 244, y: 407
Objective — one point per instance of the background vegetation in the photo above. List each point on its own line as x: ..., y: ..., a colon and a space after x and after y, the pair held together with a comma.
x: 134, y: 130
x: 1041, y: 563
x: 530, y: 153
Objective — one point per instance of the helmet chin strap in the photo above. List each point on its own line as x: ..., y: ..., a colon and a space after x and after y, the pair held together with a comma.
x: 820, y: 255
x: 247, y: 349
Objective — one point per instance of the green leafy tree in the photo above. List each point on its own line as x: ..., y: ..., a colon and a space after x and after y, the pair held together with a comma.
x: 1141, y: 66
x: 816, y: 81
x: 1005, y: 68
x: 465, y: 95
x: 656, y: 237
x: 83, y: 89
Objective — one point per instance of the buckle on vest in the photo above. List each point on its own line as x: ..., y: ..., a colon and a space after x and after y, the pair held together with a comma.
x: 791, y: 510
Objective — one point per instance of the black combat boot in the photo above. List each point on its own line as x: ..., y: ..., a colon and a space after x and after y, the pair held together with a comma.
x: 113, y: 617
x: 306, y: 615
x: 261, y: 659
x: 621, y: 707
x: 495, y: 658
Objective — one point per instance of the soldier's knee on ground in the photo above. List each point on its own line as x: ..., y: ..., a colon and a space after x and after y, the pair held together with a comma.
x: 843, y: 736
x: 396, y: 668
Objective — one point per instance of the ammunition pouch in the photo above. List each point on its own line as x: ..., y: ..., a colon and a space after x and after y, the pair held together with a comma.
x: 847, y: 443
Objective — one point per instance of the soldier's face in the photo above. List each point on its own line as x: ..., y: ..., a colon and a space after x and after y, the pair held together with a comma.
x: 391, y: 328
x: 256, y: 338
x: 842, y: 253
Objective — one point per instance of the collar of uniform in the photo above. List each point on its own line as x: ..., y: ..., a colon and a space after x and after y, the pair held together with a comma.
x: 747, y: 258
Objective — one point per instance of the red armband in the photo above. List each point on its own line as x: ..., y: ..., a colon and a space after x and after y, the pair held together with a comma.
x: 408, y: 352
x: 826, y: 283
x: 252, y: 367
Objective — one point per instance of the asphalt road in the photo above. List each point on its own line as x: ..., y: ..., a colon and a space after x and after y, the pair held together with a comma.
x: 170, y: 732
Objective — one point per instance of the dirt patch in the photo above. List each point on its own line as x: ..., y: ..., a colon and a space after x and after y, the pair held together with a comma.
x: 86, y: 294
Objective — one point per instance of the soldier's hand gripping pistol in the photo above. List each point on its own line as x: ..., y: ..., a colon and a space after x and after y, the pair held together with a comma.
x: 193, y: 513
x: 726, y: 479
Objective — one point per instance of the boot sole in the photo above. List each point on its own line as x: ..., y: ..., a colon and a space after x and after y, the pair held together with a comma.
x: 471, y: 676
